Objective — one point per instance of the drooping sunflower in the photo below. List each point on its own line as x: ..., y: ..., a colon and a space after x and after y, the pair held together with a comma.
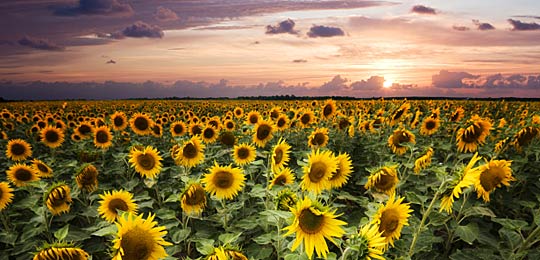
x: 462, y: 180
x: 191, y: 153
x: 263, y: 132
x: 156, y: 130
x: 343, y: 171
x: 139, y: 238
x: 209, y: 134
x: 102, y: 137
x: 244, y: 154
x: 86, y: 178
x: 193, y: 199
x: 383, y: 179
x: 62, y: 251
x: 525, y: 136
x: 391, y: 217
x: 313, y: 224
x: 492, y: 175
x: 43, y: 170
x: 21, y: 174
x: 6, y: 195
x: 58, y: 198
x: 398, y: 138
x: 113, y: 201
x: 280, y: 155
x: 415, y: 119
x: 328, y: 109
x: 318, y: 171
x: 18, y: 150
x: 318, y: 138
x: 369, y: 242
x: 223, y: 182
x: 235, y: 254
x: 285, y: 199
x: 429, y: 126
x: 119, y: 121
x: 424, y: 161
x: 282, y: 178
x: 397, y: 115
x: 178, y: 128
x: 52, y: 136
x: 469, y: 138
x: 457, y: 115
x: 253, y: 117
x: 141, y: 124
x: 147, y: 162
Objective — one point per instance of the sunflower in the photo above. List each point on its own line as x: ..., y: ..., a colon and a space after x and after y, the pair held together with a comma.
x: 318, y: 138
x: 227, y: 138
x: 52, y: 136
x: 369, y: 243
x: 415, y: 119
x: 191, y: 153
x: 139, y: 239
x: 146, y: 162
x: 87, y: 178
x: 156, y: 130
x: 18, y: 150
x: 285, y: 199
x: 235, y: 254
x: 457, y: 115
x: 21, y: 174
x: 61, y: 251
x: 263, y: 132
x: 463, y: 179
x: 344, y: 170
x: 224, y: 182
x: 398, y: 113
x: 209, y: 134
x: 102, y: 137
x: 195, y: 129
x: 141, y: 124
x: 113, y: 201
x: 492, y: 175
x: 329, y: 108
x: 383, y: 179
x: 399, y: 137
x: 475, y: 134
x: 391, y: 218
x: 429, y: 126
x: 178, y: 128
x: 58, y: 198
x: 253, y: 117
x: 424, y: 161
x: 280, y: 155
x: 229, y: 125
x: 344, y: 123
x: 313, y: 224
x: 238, y: 112
x: 119, y: 121
x: 307, y: 118
x: 318, y: 171
x: 6, y: 195
x: 525, y: 136
x: 217, y: 254
x: 282, y: 178
x: 193, y: 199
x: 84, y: 130
x: 282, y: 122
x: 244, y: 154
x: 43, y: 170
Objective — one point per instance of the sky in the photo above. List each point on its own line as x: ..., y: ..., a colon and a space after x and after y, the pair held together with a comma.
x: 210, y: 48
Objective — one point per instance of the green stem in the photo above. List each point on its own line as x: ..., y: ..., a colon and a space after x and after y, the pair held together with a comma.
x: 224, y: 214
x: 345, y: 253
x: 528, y: 242
x: 5, y: 221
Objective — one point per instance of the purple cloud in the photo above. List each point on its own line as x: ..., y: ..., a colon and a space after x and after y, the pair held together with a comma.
x: 40, y: 44
x: 483, y: 26
x: 324, y: 31
x: 141, y: 29
x: 521, y: 26
x: 448, y: 79
x: 164, y: 14
x: 421, y: 9
x: 286, y: 26
x: 110, y: 62
x: 373, y: 83
x: 96, y: 7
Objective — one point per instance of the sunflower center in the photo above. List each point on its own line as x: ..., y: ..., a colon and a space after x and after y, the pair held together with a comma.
x: 318, y: 139
x: 178, y: 129
x: 88, y: 177
x: 400, y: 137
x: 253, y: 119
x: 229, y: 125
x: 138, y: 244
x: 263, y: 132
x: 84, y: 129
x: 385, y: 182
x: 281, y: 122
x: 189, y: 151
x: 141, y: 123
x: 327, y: 110
x: 102, y: 137
x: 343, y: 123
x: 491, y: 178
x: 208, y: 133
x: 223, y: 179
x: 305, y: 119
x: 52, y: 136
x: 18, y: 149
x: 196, y: 130
x: 317, y: 172
x: 118, y: 121
x: 116, y: 203
x: 310, y: 222
x: 398, y: 114
x: 243, y: 153
x: 389, y: 222
x: 197, y: 197
x: 23, y: 175
x: 430, y: 125
x: 280, y: 180
x: 146, y: 161
x: 278, y: 156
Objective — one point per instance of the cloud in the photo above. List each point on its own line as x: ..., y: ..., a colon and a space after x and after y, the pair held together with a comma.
x: 460, y: 28
x: 40, y: 44
x: 96, y: 7
x: 521, y: 26
x: 286, y: 26
x: 324, y: 31
x: 164, y: 14
x: 448, y: 79
x: 527, y: 16
x: 141, y: 29
x: 373, y: 83
x: 483, y: 26
x: 334, y: 86
x: 110, y: 62
x: 299, y: 61
x: 421, y: 9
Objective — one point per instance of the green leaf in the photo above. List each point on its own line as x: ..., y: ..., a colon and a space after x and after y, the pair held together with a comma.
x: 536, y: 215
x: 511, y: 236
x: 205, y: 246
x: 275, y: 215
x: 62, y: 233
x: 265, y: 238
x: 258, y: 191
x: 106, y: 231
x: 229, y: 238
x: 468, y: 233
x: 478, y: 211
x: 180, y: 235
x: 512, y: 224
x: 437, y: 218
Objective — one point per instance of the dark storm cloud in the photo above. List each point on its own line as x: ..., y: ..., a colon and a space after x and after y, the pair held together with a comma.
x: 448, y: 79
x: 165, y: 14
x: 324, y: 31
x: 286, y: 26
x: 518, y: 25
x: 96, y: 7
x: 40, y: 44
x: 460, y: 28
x: 483, y: 26
x: 421, y: 9
x: 141, y: 29
x: 373, y: 83
x: 110, y: 62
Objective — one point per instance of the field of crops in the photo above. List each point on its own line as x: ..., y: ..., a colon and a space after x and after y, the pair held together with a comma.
x: 230, y: 179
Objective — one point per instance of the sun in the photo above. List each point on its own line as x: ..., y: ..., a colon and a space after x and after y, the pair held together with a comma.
x: 388, y: 83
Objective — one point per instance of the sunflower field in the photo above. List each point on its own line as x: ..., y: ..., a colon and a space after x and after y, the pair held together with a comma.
x: 239, y: 179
